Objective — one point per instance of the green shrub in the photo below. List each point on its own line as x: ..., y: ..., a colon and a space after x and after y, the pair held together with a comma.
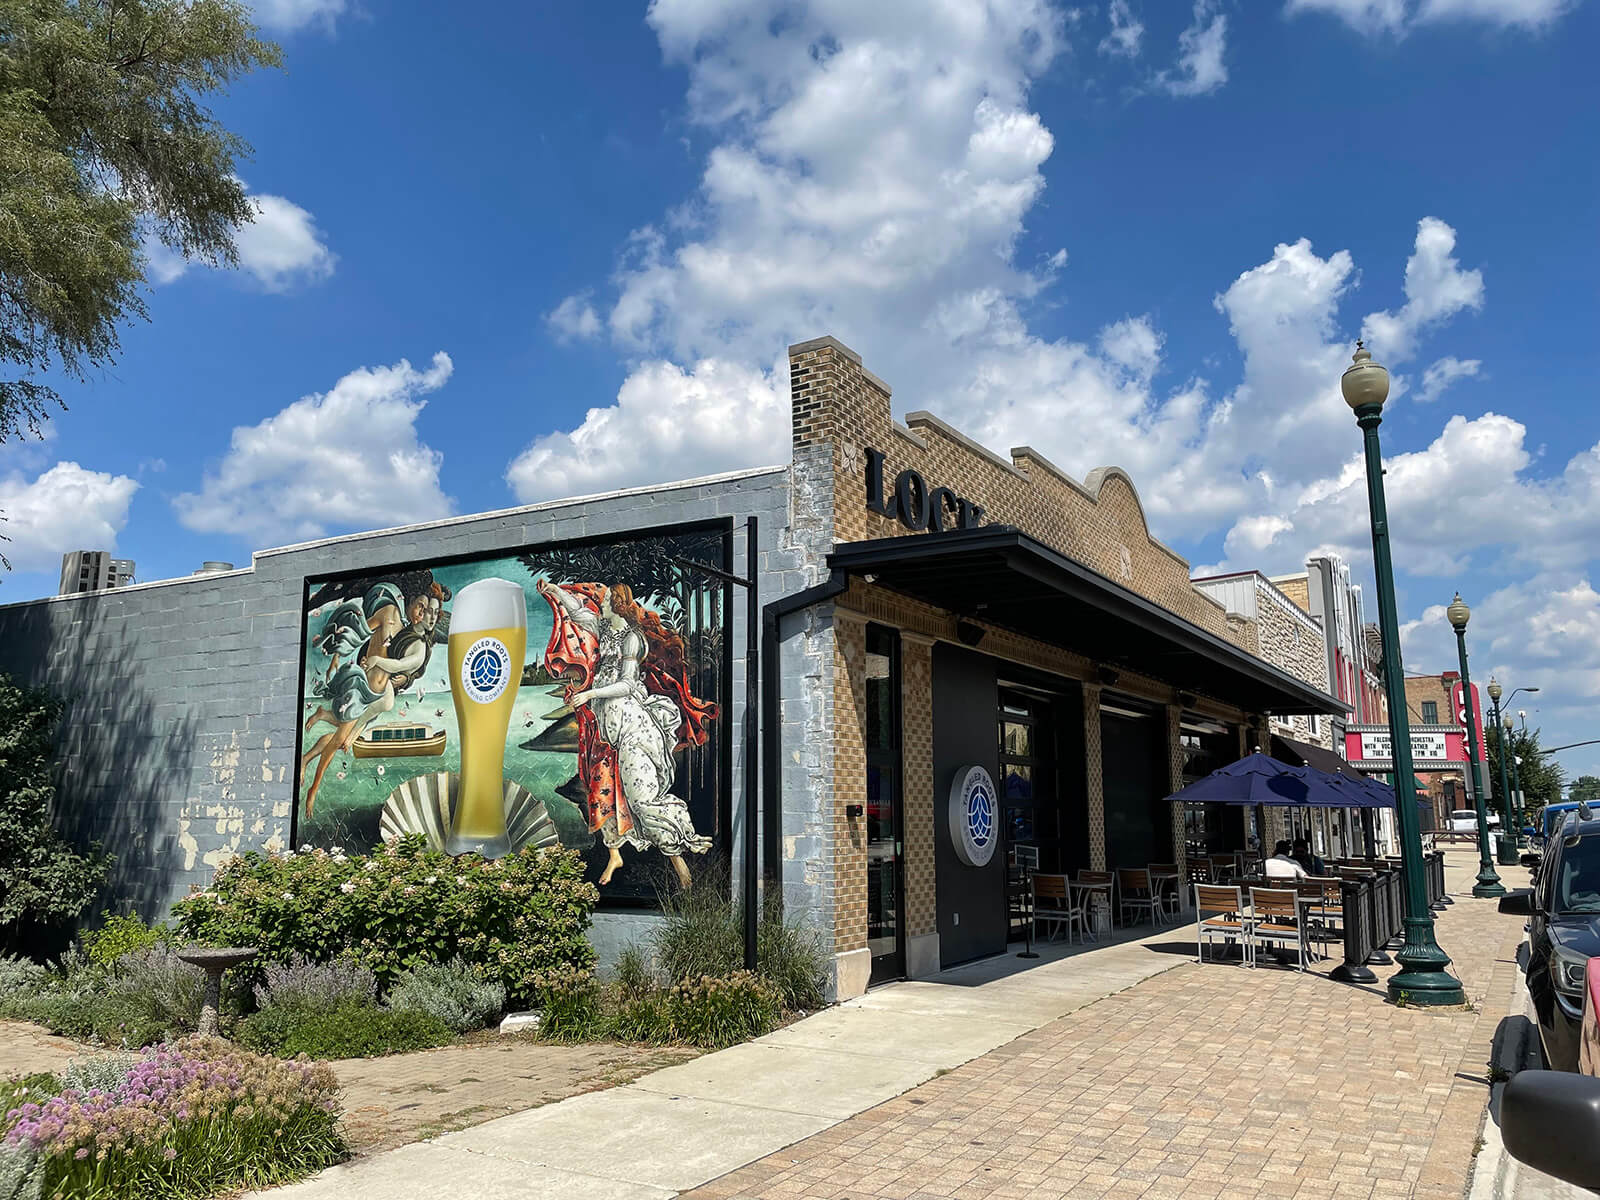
x: 146, y: 996
x: 19, y: 977
x: 45, y: 883
x: 99, y: 1072
x: 347, y: 1030
x: 454, y: 992
x: 516, y: 917
x: 120, y: 935
x: 702, y: 934
x: 715, y: 1011
x: 21, y: 1176
x: 28, y: 1089
x: 571, y: 1007
x: 299, y: 984
x: 641, y: 1012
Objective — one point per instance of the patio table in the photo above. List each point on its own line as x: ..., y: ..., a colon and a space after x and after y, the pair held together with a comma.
x: 1085, y: 892
x: 1159, y: 880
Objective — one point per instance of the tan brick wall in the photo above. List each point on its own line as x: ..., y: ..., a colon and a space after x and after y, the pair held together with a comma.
x: 1099, y: 522
x: 920, y: 805
x: 1297, y: 588
x: 849, y: 782
x: 1180, y: 836
x: 1094, y: 776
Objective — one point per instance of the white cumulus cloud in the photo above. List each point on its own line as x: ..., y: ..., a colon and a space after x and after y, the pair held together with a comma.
x: 1126, y: 31
x: 1379, y: 17
x: 289, y: 16
x: 667, y: 423
x: 1442, y: 373
x: 1202, y: 48
x: 282, y: 248
x: 1436, y: 288
x: 66, y: 507
x: 347, y: 458
x: 574, y: 319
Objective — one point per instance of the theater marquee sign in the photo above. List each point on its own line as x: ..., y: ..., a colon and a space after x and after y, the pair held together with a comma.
x: 1429, y: 747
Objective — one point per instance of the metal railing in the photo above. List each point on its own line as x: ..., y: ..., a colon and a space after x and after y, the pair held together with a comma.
x: 1372, y: 893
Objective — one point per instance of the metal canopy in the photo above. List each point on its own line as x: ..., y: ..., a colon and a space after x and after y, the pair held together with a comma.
x: 1000, y: 575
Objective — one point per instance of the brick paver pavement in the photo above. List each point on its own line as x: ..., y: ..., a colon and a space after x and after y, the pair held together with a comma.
x: 407, y: 1097
x: 1211, y: 1081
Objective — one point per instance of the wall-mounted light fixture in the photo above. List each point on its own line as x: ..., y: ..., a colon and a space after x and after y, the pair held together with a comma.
x: 1106, y: 676
x: 969, y: 633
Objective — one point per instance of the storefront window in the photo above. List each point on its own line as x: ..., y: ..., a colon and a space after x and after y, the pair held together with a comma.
x: 1027, y: 776
x: 884, y: 907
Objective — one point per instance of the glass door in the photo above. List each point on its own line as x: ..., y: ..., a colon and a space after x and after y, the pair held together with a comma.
x: 885, y: 877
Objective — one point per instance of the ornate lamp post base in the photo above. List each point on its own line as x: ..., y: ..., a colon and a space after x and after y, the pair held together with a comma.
x: 1488, y: 886
x: 1422, y: 979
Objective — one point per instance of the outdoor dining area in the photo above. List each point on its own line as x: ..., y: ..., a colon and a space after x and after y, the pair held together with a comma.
x: 1288, y: 906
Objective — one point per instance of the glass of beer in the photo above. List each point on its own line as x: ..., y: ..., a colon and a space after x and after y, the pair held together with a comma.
x: 488, y: 641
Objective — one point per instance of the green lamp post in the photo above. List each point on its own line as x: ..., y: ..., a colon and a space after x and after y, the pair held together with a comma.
x: 1516, y: 782
x: 1488, y: 886
x: 1422, y: 978
x: 1508, y: 844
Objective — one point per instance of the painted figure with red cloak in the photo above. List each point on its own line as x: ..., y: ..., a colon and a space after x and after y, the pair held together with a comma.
x: 628, y: 685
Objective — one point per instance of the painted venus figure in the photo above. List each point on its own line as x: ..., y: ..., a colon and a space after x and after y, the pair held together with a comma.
x: 488, y: 643
x: 629, y: 689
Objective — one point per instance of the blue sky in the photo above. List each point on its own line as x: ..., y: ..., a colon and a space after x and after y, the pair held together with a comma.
x: 558, y: 251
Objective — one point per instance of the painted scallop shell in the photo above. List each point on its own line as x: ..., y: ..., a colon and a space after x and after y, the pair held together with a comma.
x: 425, y: 804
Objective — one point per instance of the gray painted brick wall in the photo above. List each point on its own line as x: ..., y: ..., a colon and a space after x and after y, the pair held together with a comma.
x: 178, y: 747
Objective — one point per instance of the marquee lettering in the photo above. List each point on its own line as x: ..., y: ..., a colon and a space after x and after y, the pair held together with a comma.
x: 914, y: 504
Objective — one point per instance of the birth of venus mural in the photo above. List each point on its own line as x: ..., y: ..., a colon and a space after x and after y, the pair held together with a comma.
x: 565, y: 694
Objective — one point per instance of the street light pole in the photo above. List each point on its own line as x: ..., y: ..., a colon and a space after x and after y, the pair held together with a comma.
x: 1516, y: 782
x: 1508, y: 849
x: 1422, y: 978
x: 1488, y: 886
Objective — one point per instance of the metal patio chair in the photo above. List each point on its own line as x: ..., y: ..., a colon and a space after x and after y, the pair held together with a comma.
x: 1275, y: 916
x: 1054, y: 904
x: 1220, y: 915
x: 1135, y: 893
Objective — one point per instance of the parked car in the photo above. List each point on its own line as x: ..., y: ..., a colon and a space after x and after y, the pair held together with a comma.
x: 1465, y: 820
x: 1563, y: 910
x: 1551, y: 1121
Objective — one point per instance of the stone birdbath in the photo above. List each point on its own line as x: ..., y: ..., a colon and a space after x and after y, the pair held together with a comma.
x: 214, y: 962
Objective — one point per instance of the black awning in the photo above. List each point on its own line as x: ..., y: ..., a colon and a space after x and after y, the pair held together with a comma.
x: 1312, y: 756
x: 1000, y: 575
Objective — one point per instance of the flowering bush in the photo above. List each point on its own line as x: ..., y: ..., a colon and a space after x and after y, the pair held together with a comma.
x: 302, y: 984
x: 189, y: 1119
x: 719, y: 1010
x: 454, y: 992
x: 120, y: 935
x: 514, y: 917
x: 710, y: 1010
x: 571, y: 1006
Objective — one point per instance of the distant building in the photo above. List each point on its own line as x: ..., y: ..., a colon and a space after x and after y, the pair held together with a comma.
x: 93, y: 571
x: 1353, y: 647
x: 1434, y: 703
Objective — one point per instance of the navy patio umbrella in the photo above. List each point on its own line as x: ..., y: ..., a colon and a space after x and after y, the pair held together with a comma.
x: 1261, y: 779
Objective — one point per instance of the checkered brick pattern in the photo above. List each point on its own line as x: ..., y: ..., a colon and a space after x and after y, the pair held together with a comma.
x: 920, y: 805
x: 849, y: 781
x: 1094, y: 776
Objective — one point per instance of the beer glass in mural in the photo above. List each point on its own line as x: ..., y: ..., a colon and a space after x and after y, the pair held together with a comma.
x: 487, y: 645
x: 431, y: 710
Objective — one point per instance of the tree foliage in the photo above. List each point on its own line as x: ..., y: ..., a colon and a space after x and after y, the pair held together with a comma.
x: 1586, y: 788
x: 104, y: 140
x: 1539, y: 774
x: 44, y: 881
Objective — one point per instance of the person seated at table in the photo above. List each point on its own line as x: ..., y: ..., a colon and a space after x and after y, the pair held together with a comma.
x: 1282, y: 864
x: 1302, y: 855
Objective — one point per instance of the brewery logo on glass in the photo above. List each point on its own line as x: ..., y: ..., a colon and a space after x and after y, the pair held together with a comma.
x: 487, y: 668
x: 973, y: 816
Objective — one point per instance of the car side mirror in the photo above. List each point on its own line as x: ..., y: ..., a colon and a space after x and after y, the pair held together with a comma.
x: 1550, y: 1119
x: 1518, y: 903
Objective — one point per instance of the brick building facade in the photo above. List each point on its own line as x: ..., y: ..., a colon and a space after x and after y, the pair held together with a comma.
x: 962, y: 653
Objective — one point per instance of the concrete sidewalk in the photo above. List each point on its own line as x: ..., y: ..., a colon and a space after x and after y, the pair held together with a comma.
x: 683, y: 1126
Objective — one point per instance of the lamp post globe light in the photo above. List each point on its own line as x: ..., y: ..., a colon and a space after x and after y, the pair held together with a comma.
x: 1508, y: 845
x: 1488, y: 886
x: 1422, y: 978
x: 1522, y: 800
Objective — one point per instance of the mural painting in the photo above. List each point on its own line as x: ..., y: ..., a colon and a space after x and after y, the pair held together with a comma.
x: 567, y: 694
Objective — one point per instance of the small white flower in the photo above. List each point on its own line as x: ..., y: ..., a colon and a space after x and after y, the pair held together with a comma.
x: 288, y: 895
x: 431, y: 879
x: 306, y: 849
x: 339, y: 858
x: 335, y: 849
x: 347, y: 887
x: 461, y: 880
x: 372, y: 864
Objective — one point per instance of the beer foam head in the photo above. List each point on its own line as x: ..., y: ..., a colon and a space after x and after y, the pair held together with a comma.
x: 489, y: 604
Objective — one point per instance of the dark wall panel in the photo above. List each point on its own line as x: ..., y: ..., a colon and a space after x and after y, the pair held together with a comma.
x: 971, y: 900
x: 1138, y: 820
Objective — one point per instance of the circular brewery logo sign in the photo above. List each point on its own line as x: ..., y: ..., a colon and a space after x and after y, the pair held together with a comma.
x: 974, y: 816
x: 486, y: 669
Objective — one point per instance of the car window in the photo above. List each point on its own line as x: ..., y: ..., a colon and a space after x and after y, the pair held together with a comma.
x: 1577, y: 878
x: 1464, y: 814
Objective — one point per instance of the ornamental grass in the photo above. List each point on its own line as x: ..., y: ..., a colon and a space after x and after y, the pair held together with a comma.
x: 187, y: 1120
